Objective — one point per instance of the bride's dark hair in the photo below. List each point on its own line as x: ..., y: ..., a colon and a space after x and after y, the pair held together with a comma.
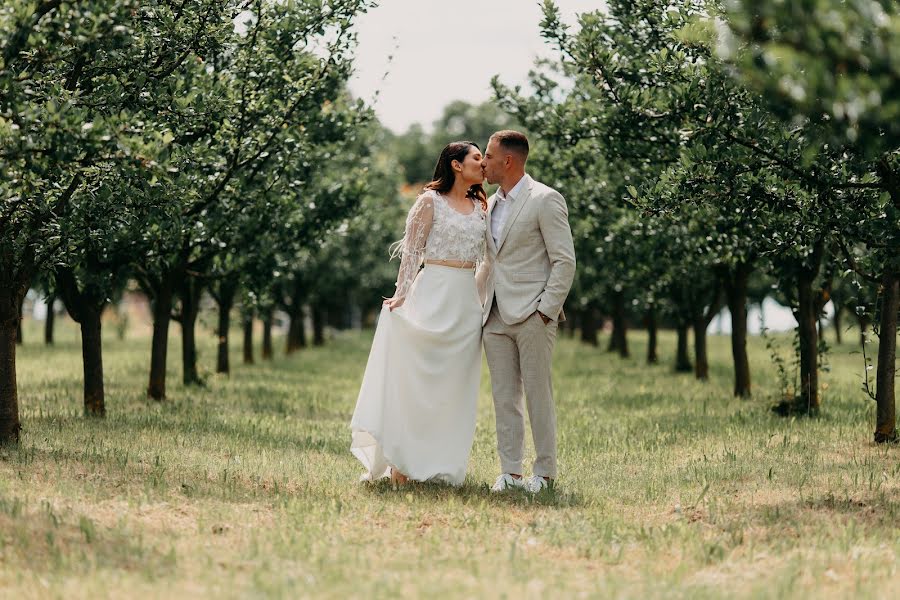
x: 442, y: 181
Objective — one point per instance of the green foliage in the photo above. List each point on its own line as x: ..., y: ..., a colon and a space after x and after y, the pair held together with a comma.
x: 838, y: 79
x: 418, y: 151
x: 839, y: 68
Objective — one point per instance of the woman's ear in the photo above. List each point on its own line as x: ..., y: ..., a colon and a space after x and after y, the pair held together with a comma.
x: 456, y: 166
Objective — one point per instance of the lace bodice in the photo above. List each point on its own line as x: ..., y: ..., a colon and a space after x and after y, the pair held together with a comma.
x: 437, y: 231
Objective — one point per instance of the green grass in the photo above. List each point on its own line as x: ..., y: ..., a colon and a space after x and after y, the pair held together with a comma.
x: 668, y: 487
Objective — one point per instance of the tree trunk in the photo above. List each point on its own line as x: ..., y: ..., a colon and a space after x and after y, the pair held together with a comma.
x: 189, y: 373
x: 92, y: 358
x: 301, y: 332
x: 296, y: 337
x: 162, y: 314
x: 222, y: 364
x: 701, y: 357
x: 49, y: 321
x: 20, y: 338
x: 613, y: 340
x: 267, y: 350
x: 248, y: 341
x: 85, y: 305
x: 589, y: 326
x: 189, y: 293
x: 736, y: 294
x: 225, y: 300
x: 885, y: 421
x: 838, y: 309
x: 9, y: 399
x: 682, y: 360
x: 652, y: 329
x: 808, y: 394
x: 619, y: 332
x: 318, y: 323
x: 701, y: 318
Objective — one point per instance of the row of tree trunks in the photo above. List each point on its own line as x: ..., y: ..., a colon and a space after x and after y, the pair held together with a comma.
x: 85, y: 305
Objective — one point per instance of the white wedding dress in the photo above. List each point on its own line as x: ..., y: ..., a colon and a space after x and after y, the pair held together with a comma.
x: 416, y: 404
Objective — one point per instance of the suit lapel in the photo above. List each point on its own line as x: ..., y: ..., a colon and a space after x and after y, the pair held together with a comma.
x: 518, y: 205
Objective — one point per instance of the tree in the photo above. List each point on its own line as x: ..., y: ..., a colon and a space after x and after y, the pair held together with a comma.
x: 838, y: 77
x: 52, y: 137
x: 641, y: 96
x: 255, y: 110
x: 664, y: 97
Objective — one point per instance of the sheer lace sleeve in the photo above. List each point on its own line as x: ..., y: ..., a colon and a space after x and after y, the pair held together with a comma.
x: 482, y: 273
x: 411, y: 249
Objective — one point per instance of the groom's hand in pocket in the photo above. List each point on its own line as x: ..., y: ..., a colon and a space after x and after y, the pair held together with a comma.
x: 543, y: 317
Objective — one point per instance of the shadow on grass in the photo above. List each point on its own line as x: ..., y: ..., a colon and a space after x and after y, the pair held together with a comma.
x: 879, y: 512
x: 476, y: 493
x: 197, y: 426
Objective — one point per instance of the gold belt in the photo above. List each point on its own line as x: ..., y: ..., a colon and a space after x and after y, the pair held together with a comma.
x: 456, y: 264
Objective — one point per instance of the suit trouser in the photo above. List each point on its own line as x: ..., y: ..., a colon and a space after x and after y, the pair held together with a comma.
x: 519, y: 358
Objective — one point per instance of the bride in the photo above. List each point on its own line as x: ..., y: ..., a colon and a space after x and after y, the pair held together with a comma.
x: 415, y: 414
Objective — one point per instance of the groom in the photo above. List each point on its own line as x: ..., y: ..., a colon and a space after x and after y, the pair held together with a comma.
x: 530, y: 267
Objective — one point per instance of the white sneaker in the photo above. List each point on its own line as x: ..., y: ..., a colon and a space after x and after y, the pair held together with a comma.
x: 508, y: 482
x: 536, y: 483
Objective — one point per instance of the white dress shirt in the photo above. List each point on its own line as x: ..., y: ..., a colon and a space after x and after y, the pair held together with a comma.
x: 502, y: 208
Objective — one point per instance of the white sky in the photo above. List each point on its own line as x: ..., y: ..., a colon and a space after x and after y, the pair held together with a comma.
x: 444, y: 50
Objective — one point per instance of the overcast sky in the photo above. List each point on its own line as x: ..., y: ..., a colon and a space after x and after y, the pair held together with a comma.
x: 445, y: 50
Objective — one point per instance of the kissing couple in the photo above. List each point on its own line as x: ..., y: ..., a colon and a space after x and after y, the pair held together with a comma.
x: 472, y: 270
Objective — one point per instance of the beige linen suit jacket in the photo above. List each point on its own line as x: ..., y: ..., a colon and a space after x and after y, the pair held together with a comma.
x: 533, y: 265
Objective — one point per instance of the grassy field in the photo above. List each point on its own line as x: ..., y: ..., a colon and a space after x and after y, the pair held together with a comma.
x: 246, y: 488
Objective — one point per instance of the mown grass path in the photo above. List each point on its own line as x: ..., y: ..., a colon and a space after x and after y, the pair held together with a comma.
x: 668, y: 487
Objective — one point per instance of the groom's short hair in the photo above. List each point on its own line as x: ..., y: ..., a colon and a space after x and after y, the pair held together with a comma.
x: 512, y: 141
